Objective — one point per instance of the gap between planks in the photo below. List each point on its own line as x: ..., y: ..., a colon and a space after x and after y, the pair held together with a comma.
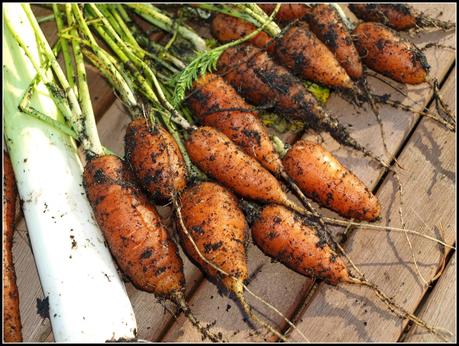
x: 444, y: 289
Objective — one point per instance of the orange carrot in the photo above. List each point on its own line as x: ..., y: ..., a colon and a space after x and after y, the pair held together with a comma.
x: 227, y: 28
x: 323, y: 178
x: 302, y: 52
x: 287, y: 12
x: 218, y: 227
x: 215, y: 154
x: 396, y: 16
x: 12, y: 328
x: 133, y: 229
x: 384, y: 51
x: 283, y: 235
x: 327, y: 25
x: 155, y: 159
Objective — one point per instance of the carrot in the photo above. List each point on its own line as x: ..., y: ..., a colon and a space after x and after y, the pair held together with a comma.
x: 399, y: 17
x: 155, y: 159
x: 327, y: 25
x: 287, y: 12
x: 384, y: 51
x: 261, y: 81
x: 323, y: 178
x: 12, y: 328
x: 133, y: 229
x: 302, y: 52
x: 396, y: 16
x: 216, y: 155
x: 227, y: 28
x: 218, y: 105
x: 282, y: 235
x: 219, y: 229
x: 286, y: 237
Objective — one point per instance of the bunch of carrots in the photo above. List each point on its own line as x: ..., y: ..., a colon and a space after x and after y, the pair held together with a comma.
x: 208, y: 152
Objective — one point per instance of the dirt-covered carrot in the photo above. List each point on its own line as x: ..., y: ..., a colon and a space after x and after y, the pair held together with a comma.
x: 227, y: 28
x: 215, y: 154
x: 155, y: 159
x: 284, y: 236
x: 323, y: 178
x: 397, y: 16
x: 263, y: 82
x: 211, y: 215
x: 383, y: 50
x: 302, y: 52
x: 326, y: 24
x: 12, y: 328
x: 133, y: 229
x: 287, y: 237
x: 287, y: 12
x: 216, y: 104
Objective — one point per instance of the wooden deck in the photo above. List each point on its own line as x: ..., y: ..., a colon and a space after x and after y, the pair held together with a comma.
x: 427, y: 153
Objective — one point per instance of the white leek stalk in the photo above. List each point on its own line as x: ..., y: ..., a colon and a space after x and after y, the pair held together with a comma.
x: 87, y: 299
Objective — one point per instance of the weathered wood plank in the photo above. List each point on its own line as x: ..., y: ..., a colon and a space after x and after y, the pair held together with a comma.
x: 292, y: 286
x: 353, y: 314
x: 439, y: 308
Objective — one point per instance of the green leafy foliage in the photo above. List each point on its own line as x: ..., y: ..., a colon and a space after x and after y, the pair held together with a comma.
x: 281, y: 124
x: 321, y: 93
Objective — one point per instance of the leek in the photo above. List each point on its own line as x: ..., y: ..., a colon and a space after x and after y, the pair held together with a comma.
x: 87, y: 300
